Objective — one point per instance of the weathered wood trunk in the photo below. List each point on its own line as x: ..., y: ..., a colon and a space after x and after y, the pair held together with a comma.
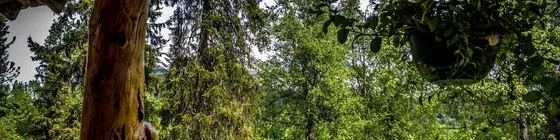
x: 114, y: 84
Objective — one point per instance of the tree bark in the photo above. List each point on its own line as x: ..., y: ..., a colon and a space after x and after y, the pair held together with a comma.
x: 553, y: 123
x: 523, y: 126
x: 554, y: 126
x: 114, y: 85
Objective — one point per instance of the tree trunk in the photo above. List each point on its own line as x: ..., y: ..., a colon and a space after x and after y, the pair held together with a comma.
x: 310, y: 126
x: 553, y: 124
x: 523, y: 127
x: 114, y: 85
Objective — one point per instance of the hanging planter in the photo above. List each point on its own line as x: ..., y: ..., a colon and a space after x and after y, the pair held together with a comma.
x: 460, y: 63
x: 452, y: 42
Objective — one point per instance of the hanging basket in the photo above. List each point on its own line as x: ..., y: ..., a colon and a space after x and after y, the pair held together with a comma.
x: 461, y: 63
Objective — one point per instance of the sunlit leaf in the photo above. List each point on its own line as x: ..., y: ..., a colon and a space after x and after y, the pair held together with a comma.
x: 540, y: 25
x: 452, y: 40
x: 432, y: 23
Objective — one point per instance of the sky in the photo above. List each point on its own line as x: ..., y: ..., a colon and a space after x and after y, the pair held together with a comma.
x: 36, y: 21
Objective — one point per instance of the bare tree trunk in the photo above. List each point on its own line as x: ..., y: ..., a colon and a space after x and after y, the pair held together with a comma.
x: 114, y: 85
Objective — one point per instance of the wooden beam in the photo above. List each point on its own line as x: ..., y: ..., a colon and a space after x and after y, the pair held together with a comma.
x: 10, y: 8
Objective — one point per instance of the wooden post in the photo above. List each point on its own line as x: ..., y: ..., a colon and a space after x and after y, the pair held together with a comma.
x: 114, y: 85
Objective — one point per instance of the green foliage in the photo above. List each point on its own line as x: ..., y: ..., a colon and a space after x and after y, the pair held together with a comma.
x: 208, y: 84
x: 314, y: 84
x: 20, y: 112
x: 58, y: 91
x: 8, y: 71
x: 375, y: 45
x: 343, y: 35
x: 532, y: 96
x: 306, y: 92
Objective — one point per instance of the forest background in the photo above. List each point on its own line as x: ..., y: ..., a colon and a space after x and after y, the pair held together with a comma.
x: 271, y: 72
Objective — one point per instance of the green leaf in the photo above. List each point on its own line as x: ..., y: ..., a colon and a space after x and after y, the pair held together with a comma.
x: 532, y: 96
x: 426, y: 3
x: 343, y: 35
x: 432, y: 22
x: 326, y: 26
x: 448, y: 32
x: 462, y: 62
x: 452, y: 40
x: 540, y: 25
x: 469, y: 52
x: 396, y: 41
x: 454, y: 8
x: 553, y: 109
x: 372, y: 22
x: 375, y: 45
x: 430, y: 98
x: 478, y: 5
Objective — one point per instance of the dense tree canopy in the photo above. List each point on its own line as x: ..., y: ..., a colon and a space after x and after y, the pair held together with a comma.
x: 331, y: 71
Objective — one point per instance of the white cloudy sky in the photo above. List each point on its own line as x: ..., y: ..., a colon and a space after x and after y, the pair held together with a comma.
x: 35, y: 22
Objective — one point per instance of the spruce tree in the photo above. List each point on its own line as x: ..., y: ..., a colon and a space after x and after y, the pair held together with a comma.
x: 209, y: 86
x: 306, y: 84
x: 8, y: 72
x: 60, y: 72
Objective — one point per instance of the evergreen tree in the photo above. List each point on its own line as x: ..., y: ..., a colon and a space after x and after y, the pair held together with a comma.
x: 306, y: 83
x: 154, y: 72
x: 8, y: 72
x: 18, y: 122
x: 209, y: 86
x: 60, y: 73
